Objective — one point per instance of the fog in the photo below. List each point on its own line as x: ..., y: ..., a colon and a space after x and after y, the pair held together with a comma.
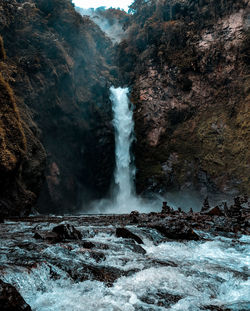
x: 122, y: 4
x: 113, y: 29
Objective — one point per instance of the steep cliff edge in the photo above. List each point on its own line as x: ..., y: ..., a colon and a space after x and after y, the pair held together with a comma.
x: 188, y: 66
x: 58, y: 65
x: 22, y: 157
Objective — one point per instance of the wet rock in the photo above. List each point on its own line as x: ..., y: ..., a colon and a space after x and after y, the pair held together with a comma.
x: 176, y: 232
x: 104, y: 274
x: 166, y: 263
x: 10, y: 299
x: 135, y: 247
x: 67, y: 232
x: 205, y: 206
x: 191, y: 211
x: 214, y: 211
x: 161, y: 299
x: 138, y: 249
x: 126, y: 234
x: 46, y: 236
x: 97, y: 256
x: 226, y: 210
x: 165, y: 208
x: 215, y: 308
x: 134, y: 215
x: 87, y: 244
x: 235, y: 209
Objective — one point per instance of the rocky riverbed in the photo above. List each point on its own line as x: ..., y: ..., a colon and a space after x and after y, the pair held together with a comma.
x: 158, y: 261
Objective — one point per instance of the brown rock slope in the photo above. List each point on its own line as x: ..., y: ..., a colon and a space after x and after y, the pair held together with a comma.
x: 22, y: 157
x: 188, y: 64
x: 58, y: 65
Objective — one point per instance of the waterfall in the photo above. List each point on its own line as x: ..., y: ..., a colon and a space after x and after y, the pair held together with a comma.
x: 124, y: 136
x: 123, y: 199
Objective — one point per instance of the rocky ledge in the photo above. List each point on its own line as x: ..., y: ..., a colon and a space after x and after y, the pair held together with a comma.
x: 173, y: 224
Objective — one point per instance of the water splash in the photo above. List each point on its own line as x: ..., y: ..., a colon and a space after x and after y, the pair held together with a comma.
x: 124, y: 199
x: 206, y: 273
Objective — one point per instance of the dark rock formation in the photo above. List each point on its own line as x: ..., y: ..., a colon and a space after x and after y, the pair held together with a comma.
x: 176, y: 231
x: 10, y: 299
x: 88, y: 245
x: 126, y: 234
x: 205, y: 206
x: 215, y: 211
x: 137, y: 248
x: 188, y: 66
x: 165, y: 208
x: 60, y: 233
x: 104, y: 274
x: 58, y: 65
x: 67, y: 232
x: 163, y: 299
x: 46, y: 236
x: 22, y: 157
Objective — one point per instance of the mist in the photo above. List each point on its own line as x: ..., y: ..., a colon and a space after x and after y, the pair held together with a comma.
x: 111, y: 27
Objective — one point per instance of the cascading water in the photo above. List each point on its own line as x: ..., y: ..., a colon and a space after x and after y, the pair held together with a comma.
x: 123, y: 198
x: 124, y: 128
x: 115, y: 275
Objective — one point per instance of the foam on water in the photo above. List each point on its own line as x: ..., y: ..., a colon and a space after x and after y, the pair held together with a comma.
x: 209, y: 272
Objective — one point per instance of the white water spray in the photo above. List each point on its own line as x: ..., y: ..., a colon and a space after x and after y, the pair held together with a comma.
x: 123, y: 198
x: 124, y: 130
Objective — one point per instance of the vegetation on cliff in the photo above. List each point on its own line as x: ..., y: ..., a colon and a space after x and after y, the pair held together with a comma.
x: 59, y: 66
x: 13, y: 141
x: 188, y: 66
x: 17, y: 152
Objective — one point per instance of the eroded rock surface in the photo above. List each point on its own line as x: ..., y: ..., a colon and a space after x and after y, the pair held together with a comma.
x: 10, y: 299
x: 58, y: 65
x: 190, y: 87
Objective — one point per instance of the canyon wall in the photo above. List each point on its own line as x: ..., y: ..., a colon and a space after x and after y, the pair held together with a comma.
x: 57, y: 74
x: 187, y: 63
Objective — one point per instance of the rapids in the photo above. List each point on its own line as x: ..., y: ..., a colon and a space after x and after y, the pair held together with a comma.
x: 212, y: 274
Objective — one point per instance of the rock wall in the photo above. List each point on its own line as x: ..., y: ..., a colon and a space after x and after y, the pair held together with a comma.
x: 58, y: 65
x: 22, y: 157
x: 189, y: 74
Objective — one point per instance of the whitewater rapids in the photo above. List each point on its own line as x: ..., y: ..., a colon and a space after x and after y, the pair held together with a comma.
x: 194, y: 275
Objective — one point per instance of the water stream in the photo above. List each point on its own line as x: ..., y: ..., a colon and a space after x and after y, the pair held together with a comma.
x: 102, y: 272
x: 123, y: 198
x: 124, y: 130
x: 212, y: 274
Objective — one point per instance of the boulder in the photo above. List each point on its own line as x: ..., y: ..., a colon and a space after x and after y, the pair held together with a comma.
x: 176, y: 232
x: 107, y: 275
x: 10, y: 299
x: 88, y: 244
x: 138, y: 249
x: 60, y: 233
x: 46, y: 236
x: 214, y: 211
x: 67, y: 232
x: 126, y: 234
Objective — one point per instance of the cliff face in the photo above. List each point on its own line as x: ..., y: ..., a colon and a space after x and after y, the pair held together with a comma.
x: 22, y: 157
x: 189, y: 74
x: 58, y: 66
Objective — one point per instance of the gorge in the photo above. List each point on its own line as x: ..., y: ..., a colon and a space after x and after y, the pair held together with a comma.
x: 124, y: 156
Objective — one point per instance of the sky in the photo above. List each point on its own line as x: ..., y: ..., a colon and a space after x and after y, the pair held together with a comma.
x: 123, y: 4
